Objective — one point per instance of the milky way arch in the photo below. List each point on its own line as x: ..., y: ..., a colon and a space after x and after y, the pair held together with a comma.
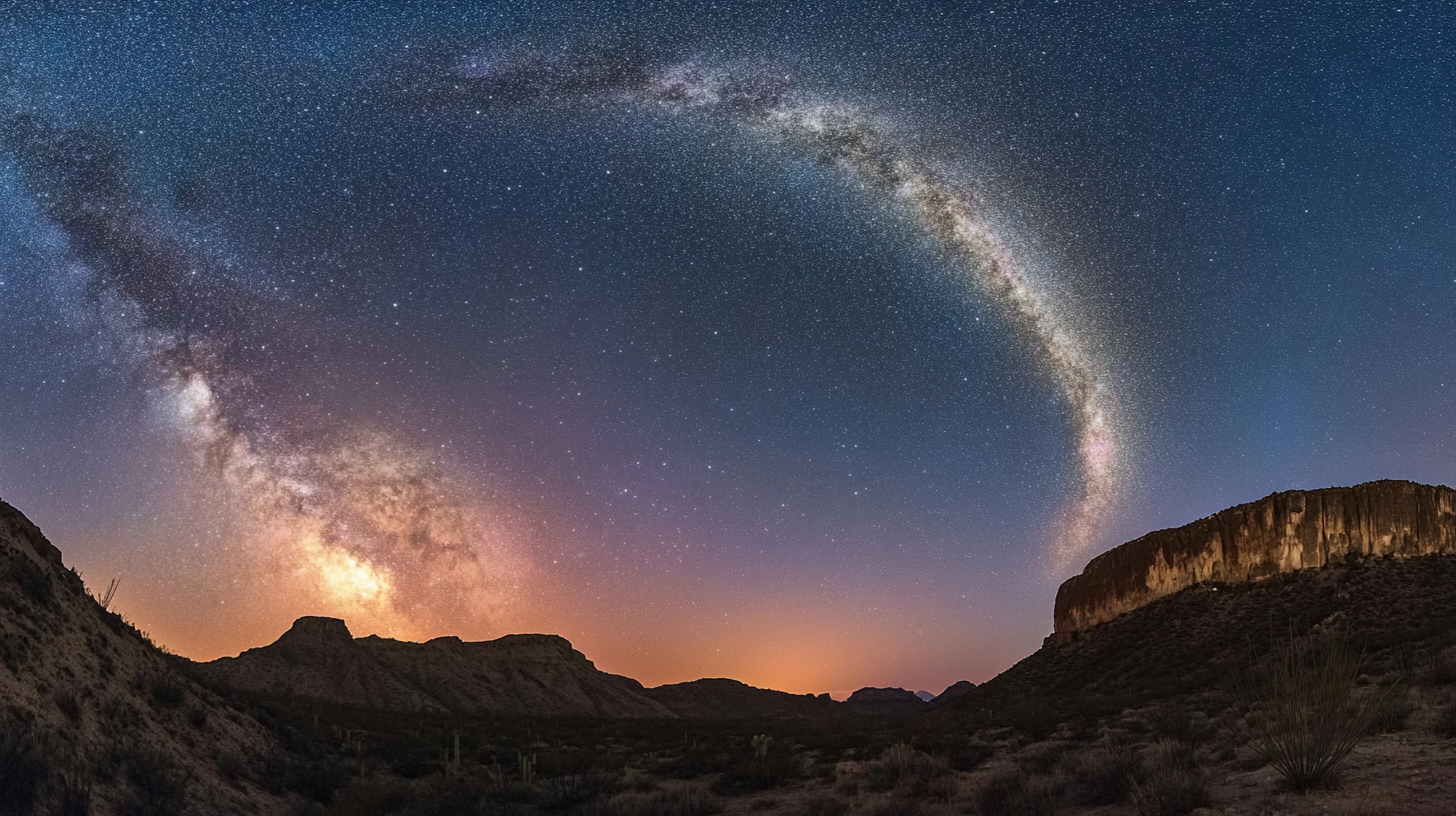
x: 382, y: 531
x: 839, y: 135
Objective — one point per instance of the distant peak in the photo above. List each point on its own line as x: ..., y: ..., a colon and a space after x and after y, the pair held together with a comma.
x: 316, y: 626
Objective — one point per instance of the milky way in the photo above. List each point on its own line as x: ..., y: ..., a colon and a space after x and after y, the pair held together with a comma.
x: 369, y: 527
x: 376, y: 531
x: 839, y: 135
x: 806, y: 344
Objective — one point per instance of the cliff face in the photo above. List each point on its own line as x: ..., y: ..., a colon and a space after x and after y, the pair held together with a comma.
x: 1283, y: 532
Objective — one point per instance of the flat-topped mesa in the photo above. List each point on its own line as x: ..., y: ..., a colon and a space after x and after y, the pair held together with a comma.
x: 1282, y: 532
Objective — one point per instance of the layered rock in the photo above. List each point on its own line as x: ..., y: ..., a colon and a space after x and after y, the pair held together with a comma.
x: 1283, y: 532
x: 320, y: 659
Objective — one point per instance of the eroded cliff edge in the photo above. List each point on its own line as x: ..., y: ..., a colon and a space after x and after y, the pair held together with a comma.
x: 1282, y: 532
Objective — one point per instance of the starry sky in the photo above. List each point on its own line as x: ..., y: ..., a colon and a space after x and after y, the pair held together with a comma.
x: 807, y: 344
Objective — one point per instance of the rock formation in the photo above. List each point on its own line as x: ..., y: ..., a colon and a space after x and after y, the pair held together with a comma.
x: 1283, y: 532
x: 320, y: 659
x: 959, y: 688
x: 884, y: 701
x: 88, y: 705
x: 722, y: 699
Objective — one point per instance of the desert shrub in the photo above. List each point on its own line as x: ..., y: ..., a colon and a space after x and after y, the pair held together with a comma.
x: 32, y: 580
x: 69, y: 703
x: 1169, y: 754
x: 231, y: 765
x: 14, y: 649
x: 1040, y: 758
x: 1032, y: 717
x: 166, y: 691
x: 1178, y: 723
x: 634, y: 779
x: 375, y: 798
x: 942, y: 788
x: 1445, y: 723
x: 24, y: 763
x: 315, y: 778
x: 1310, y: 719
x: 1443, y: 665
x: 158, y: 783
x: 1105, y: 775
x: 1170, y: 792
x: 72, y: 796
x: 570, y: 789
x: 903, y: 767
x: 890, y: 806
x: 1012, y: 793
x: 819, y: 803
x: 670, y: 800
x: 1395, y: 712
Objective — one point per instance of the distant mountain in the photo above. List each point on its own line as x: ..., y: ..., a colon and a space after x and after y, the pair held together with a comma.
x: 884, y: 701
x: 953, y: 691
x: 717, y: 698
x: 925, y: 695
x: 94, y: 718
x: 318, y: 658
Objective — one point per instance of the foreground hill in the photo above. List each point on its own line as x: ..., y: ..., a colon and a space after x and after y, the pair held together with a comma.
x: 93, y: 717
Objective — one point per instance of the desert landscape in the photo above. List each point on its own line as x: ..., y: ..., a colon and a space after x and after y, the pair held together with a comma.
x: 742, y: 407
x: 1294, y: 655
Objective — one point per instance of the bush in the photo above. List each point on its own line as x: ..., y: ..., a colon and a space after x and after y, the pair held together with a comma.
x: 24, y: 763
x: 32, y: 580
x: 69, y: 703
x: 166, y: 691
x: 1310, y: 719
x: 1105, y: 775
x: 1192, y: 728
x: 1012, y: 793
x: 1395, y: 713
x: 822, y: 804
x: 231, y: 765
x: 160, y: 785
x: 1172, y: 792
x: 1039, y: 758
x: 1445, y: 722
x: 671, y: 800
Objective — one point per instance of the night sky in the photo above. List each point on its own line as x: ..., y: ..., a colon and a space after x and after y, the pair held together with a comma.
x: 811, y: 345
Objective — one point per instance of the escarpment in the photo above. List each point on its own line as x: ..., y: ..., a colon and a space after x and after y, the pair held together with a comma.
x: 1282, y: 532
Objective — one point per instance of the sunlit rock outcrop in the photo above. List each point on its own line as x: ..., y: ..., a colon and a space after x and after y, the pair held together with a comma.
x: 1283, y: 532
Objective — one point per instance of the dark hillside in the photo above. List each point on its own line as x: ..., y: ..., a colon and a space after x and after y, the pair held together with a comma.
x: 1396, y: 610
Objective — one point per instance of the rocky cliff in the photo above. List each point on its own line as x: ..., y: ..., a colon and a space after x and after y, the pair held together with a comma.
x: 1283, y: 532
x: 320, y: 659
